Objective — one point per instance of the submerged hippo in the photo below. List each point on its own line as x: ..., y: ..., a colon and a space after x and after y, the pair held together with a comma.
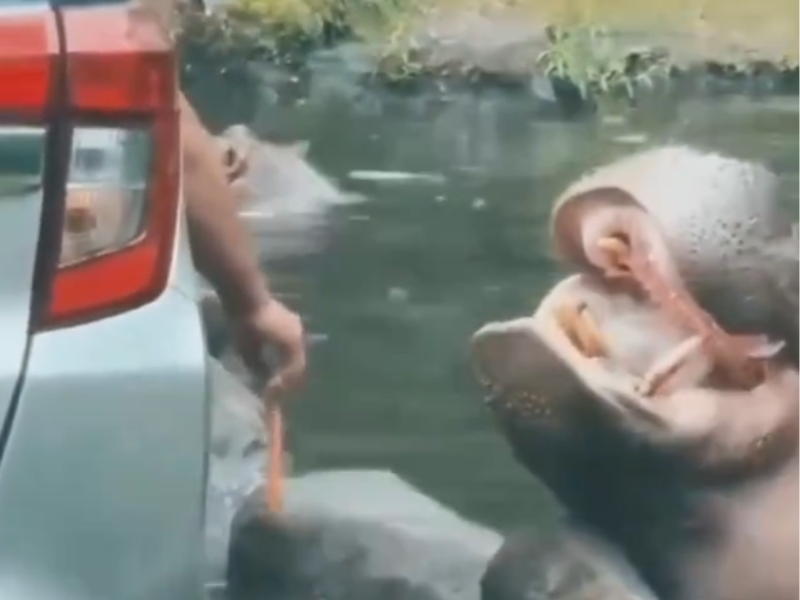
x: 697, y: 486
x: 283, y: 198
x: 272, y: 174
x: 672, y: 438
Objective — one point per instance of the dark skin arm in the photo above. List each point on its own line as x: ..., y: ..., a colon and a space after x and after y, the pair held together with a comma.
x: 225, y: 254
x: 223, y: 249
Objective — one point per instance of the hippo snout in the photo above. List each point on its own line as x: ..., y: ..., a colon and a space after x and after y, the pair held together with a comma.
x: 528, y: 383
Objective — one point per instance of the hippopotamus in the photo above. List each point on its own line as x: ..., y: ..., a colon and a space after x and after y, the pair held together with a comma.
x: 281, y: 196
x: 620, y: 394
x: 275, y: 175
x: 698, y: 486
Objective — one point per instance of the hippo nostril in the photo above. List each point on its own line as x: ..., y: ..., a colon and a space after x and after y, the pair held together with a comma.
x: 230, y: 157
x: 483, y: 380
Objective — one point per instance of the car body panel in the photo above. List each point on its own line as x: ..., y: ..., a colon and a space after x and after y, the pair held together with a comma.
x: 103, y: 462
x: 102, y: 484
x: 21, y: 195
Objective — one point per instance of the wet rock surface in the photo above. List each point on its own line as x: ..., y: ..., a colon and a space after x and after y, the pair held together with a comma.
x: 236, y: 461
x: 344, y: 535
x: 364, y: 535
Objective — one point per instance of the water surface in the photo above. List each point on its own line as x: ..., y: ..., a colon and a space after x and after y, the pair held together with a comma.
x: 407, y: 276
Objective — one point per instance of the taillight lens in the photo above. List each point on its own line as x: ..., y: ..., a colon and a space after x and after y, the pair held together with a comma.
x: 106, y: 199
x: 28, y: 52
x: 104, y: 83
x: 120, y: 201
x: 120, y: 213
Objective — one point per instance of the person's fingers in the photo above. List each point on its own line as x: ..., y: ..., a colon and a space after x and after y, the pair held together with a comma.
x: 250, y: 352
x: 294, y: 369
x: 291, y: 373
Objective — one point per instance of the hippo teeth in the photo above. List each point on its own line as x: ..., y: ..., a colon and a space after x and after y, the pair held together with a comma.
x: 581, y: 328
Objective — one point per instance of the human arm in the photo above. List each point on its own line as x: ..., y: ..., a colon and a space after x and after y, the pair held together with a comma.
x: 225, y: 254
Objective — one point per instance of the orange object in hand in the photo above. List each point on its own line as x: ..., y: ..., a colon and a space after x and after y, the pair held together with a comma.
x: 275, y: 475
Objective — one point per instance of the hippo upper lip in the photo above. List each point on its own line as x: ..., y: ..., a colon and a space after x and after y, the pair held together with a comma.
x: 486, y: 343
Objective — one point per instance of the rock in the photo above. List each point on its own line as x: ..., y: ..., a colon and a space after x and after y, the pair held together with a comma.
x: 364, y: 535
x: 236, y: 461
x: 561, y: 565
x: 498, y: 40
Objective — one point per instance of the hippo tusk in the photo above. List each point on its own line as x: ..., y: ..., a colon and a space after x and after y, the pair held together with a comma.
x: 687, y: 359
x: 581, y: 329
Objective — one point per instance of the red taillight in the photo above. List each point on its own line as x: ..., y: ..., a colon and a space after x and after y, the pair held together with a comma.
x: 121, y: 197
x: 28, y: 50
x: 119, y: 60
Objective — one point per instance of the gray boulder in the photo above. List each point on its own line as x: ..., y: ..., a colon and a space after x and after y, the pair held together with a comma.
x: 347, y: 535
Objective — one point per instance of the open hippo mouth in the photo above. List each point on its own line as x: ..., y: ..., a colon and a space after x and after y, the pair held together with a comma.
x: 600, y: 390
x: 703, y: 261
x: 637, y: 324
x: 588, y: 338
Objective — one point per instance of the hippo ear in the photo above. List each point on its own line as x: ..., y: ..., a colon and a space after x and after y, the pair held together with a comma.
x: 300, y: 148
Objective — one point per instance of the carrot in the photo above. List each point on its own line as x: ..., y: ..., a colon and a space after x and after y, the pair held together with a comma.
x: 274, y: 475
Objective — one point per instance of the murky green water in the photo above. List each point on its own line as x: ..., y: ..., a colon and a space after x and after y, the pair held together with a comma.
x: 408, y: 275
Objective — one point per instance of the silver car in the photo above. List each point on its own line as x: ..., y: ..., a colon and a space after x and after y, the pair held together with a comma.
x: 104, y: 395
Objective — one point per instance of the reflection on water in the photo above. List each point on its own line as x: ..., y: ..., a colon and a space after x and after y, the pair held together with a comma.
x: 407, y: 276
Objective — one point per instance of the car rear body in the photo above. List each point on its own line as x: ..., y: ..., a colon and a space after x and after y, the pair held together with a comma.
x: 103, y: 374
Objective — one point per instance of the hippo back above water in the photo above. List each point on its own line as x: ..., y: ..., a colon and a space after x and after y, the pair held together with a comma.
x: 283, y: 198
x: 277, y: 176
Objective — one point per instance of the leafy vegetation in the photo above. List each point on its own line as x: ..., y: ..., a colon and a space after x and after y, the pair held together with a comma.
x: 583, y: 43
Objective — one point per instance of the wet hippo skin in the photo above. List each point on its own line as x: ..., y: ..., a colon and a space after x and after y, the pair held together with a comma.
x: 282, y: 198
x: 276, y: 174
x: 564, y: 564
x: 723, y: 227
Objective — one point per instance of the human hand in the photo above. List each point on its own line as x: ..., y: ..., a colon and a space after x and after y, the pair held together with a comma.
x: 273, y: 324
